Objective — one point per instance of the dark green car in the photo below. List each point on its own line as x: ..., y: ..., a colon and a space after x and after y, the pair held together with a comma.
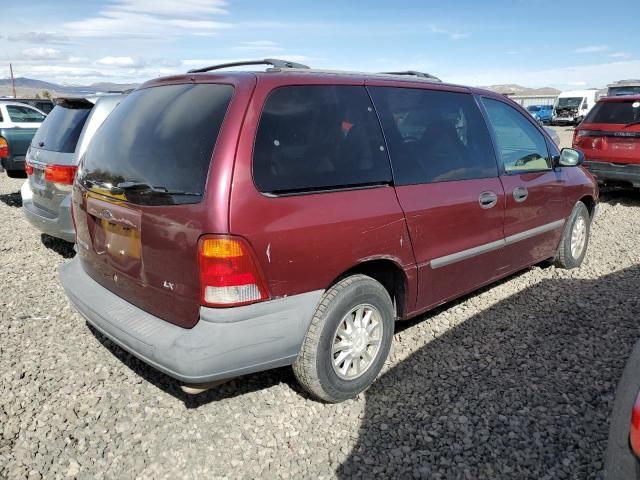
x: 18, y: 125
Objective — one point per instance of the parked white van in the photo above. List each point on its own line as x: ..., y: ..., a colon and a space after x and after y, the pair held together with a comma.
x: 571, y: 107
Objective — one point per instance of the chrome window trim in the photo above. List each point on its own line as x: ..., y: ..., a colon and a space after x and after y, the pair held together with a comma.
x: 491, y: 246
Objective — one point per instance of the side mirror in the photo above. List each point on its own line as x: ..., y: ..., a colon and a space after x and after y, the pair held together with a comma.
x: 570, y: 157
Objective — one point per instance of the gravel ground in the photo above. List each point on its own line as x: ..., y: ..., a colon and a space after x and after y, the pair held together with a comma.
x: 516, y: 381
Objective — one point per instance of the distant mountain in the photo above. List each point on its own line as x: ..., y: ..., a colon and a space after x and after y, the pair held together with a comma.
x: 29, y: 87
x: 513, y: 89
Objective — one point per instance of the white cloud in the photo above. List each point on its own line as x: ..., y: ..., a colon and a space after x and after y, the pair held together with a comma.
x: 260, y: 43
x: 38, y: 37
x: 577, y: 84
x: 264, y: 46
x: 171, y: 9
x: 592, y: 49
x: 118, y: 61
x: 620, y: 55
x: 151, y: 18
x: 41, y: 53
x: 452, y: 34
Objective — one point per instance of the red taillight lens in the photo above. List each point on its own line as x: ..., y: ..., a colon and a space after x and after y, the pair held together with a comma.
x: 229, y: 272
x: 4, y: 148
x: 63, y: 174
x: 634, y: 433
x: 28, y: 168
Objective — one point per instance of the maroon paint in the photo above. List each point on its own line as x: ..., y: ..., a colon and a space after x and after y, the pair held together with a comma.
x: 305, y: 242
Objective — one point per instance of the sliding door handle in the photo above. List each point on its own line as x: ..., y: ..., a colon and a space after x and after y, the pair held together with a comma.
x: 520, y: 194
x: 487, y: 199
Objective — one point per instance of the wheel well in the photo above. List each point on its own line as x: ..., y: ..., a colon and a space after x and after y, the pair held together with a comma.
x: 589, y: 203
x: 389, y: 274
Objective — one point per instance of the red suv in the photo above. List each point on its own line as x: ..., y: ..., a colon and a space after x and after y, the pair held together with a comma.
x: 232, y: 222
x: 609, y: 137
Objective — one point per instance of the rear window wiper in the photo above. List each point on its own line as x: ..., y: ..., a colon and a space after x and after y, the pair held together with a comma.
x: 637, y: 122
x: 141, y: 187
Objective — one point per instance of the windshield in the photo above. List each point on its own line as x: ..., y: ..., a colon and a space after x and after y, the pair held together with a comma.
x: 615, y: 112
x: 572, y: 102
x: 20, y: 114
x: 533, y: 108
x: 627, y: 90
x: 156, y: 147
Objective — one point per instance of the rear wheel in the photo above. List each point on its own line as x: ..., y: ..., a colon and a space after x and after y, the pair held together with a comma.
x: 573, y: 245
x: 348, y: 341
x: 16, y: 174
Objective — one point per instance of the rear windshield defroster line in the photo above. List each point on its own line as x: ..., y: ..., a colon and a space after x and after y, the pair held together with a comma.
x: 162, y: 137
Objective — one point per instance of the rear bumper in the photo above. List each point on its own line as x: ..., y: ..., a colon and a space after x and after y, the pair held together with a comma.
x: 59, y: 226
x: 13, y: 163
x: 224, y: 343
x: 614, y: 172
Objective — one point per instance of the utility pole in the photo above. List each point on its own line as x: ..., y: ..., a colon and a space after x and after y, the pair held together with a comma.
x: 13, y: 82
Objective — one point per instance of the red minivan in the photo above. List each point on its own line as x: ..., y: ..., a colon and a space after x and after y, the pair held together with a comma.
x: 230, y: 222
x: 609, y: 137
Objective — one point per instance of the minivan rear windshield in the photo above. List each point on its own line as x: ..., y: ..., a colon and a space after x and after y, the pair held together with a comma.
x: 61, y: 129
x: 615, y: 112
x: 155, y: 148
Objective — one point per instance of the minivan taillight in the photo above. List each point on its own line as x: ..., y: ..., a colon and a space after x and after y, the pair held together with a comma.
x: 634, y: 432
x: 62, y: 174
x: 28, y: 167
x: 229, y: 272
x: 4, y: 148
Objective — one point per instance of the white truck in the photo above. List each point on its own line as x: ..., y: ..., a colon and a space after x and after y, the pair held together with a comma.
x: 572, y: 106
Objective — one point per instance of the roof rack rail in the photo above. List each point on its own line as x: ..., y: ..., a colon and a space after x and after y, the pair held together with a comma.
x: 274, y: 62
x: 413, y: 73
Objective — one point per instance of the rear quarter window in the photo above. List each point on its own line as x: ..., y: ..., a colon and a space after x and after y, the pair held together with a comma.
x: 61, y: 129
x: 317, y: 138
x: 615, y: 112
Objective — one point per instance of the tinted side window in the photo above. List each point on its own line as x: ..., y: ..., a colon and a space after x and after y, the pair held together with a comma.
x: 318, y: 137
x: 19, y: 114
x: 434, y: 136
x: 521, y: 146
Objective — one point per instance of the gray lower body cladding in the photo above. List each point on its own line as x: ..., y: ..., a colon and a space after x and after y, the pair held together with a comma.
x: 224, y: 343
x: 614, y: 172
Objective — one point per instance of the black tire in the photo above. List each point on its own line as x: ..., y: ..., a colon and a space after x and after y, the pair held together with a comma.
x: 314, y: 366
x: 565, y: 258
x: 620, y: 462
x: 16, y: 174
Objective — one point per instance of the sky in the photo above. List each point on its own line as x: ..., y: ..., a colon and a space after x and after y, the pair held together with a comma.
x: 566, y: 44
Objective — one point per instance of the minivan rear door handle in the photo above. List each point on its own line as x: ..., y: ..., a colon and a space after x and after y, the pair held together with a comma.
x: 520, y: 194
x: 487, y: 199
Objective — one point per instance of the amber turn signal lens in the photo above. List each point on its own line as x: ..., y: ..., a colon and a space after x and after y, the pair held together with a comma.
x: 221, y: 248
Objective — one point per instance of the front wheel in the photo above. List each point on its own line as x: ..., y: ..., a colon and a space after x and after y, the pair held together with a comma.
x: 575, y: 238
x: 348, y: 341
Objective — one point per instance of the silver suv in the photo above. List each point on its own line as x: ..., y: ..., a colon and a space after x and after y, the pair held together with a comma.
x: 53, y: 157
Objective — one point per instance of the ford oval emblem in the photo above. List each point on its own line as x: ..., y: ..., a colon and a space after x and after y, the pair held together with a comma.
x: 106, y: 214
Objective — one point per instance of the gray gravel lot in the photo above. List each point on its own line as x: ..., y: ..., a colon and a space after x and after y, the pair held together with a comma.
x: 516, y: 381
